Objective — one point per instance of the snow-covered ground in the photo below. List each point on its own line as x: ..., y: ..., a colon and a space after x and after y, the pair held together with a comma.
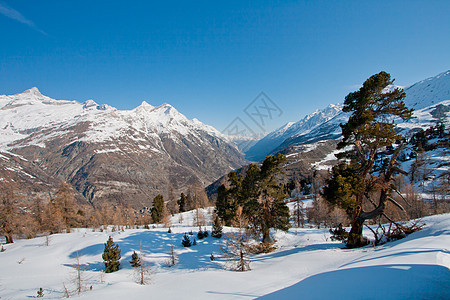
x: 306, y: 264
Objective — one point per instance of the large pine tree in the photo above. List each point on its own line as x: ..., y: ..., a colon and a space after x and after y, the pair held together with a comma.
x: 260, y: 196
x: 111, y: 256
x: 369, y: 130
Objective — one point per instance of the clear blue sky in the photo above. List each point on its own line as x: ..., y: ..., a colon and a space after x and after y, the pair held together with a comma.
x: 209, y: 59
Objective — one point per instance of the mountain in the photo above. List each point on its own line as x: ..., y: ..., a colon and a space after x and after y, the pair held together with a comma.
x: 276, y: 138
x: 112, y: 155
x: 323, y: 125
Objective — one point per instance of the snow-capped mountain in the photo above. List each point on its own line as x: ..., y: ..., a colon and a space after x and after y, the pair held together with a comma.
x: 321, y: 125
x: 130, y: 156
x: 276, y: 138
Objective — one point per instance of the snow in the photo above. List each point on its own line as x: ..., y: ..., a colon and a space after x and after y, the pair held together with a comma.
x: 324, y: 124
x: 29, y: 118
x: 306, y: 264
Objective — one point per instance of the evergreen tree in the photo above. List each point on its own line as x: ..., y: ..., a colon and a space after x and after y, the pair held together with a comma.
x: 217, y: 228
x: 205, y: 233
x: 111, y: 256
x: 200, y: 234
x: 369, y: 129
x: 182, y: 203
x: 158, y: 209
x: 135, y: 260
x: 226, y: 205
x: 186, y: 242
x: 260, y: 196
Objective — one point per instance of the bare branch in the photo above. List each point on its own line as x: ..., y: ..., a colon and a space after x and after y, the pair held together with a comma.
x: 396, y: 203
x: 398, y: 193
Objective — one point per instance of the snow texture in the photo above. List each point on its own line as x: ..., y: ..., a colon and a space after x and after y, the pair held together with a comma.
x: 306, y: 264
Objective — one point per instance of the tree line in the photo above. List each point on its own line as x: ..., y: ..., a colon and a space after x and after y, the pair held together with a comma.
x: 59, y: 212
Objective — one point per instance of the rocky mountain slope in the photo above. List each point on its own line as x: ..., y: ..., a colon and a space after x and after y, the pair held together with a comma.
x: 276, y: 138
x: 310, y: 144
x: 425, y: 97
x: 113, y: 155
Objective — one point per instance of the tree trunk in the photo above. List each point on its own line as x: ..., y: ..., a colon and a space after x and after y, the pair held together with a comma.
x: 267, y: 239
x: 355, y: 238
x: 9, y: 239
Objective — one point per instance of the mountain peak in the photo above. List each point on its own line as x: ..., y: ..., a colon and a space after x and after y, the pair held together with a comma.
x: 33, y: 91
x: 145, y: 104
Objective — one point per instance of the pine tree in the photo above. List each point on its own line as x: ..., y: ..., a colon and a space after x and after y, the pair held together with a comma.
x: 186, y: 242
x: 259, y: 195
x: 158, y: 209
x: 111, y: 256
x: 369, y: 129
x: 217, y: 228
x: 200, y: 234
x: 135, y: 260
x: 182, y: 203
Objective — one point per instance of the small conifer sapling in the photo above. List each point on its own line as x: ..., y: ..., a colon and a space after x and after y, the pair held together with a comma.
x: 111, y: 256
x: 186, y: 242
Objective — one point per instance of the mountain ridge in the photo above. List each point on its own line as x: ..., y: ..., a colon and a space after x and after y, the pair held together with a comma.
x: 105, y: 153
x: 425, y: 93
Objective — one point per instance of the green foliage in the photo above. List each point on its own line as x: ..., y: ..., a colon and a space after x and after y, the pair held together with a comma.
x: 339, y: 234
x: 372, y: 109
x: 182, y: 202
x: 217, y: 228
x: 344, y: 185
x: 158, y: 209
x: 370, y: 129
x: 111, y: 256
x: 186, y: 242
x: 260, y: 196
x: 136, y: 260
x: 226, y: 205
x: 200, y: 234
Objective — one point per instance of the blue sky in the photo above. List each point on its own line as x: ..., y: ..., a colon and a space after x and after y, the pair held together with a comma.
x: 210, y: 59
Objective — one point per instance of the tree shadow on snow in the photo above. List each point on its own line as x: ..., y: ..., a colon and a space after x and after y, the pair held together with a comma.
x: 313, y: 247
x: 156, y: 246
x: 373, y: 282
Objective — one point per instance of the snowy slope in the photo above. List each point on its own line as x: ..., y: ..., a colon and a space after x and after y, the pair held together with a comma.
x: 306, y: 264
x: 304, y: 126
x: 113, y: 155
x: 423, y: 97
x: 429, y: 91
x: 28, y: 112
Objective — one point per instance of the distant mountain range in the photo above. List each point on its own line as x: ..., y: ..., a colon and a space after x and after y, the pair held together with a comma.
x: 323, y: 124
x: 130, y: 156
x: 109, y: 154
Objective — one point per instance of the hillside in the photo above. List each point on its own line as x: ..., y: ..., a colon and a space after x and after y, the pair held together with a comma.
x: 109, y: 154
x: 306, y: 263
x: 423, y: 97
